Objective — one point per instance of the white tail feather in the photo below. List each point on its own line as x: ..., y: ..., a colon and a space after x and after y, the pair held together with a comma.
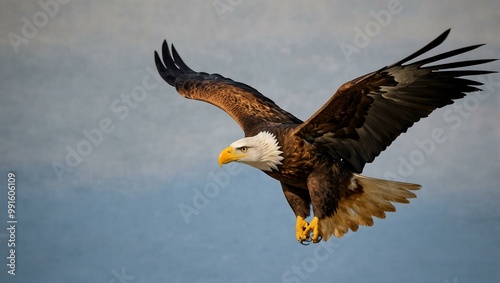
x: 358, y: 209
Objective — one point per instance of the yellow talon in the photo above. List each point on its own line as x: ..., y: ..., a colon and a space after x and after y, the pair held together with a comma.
x: 300, y: 228
x: 314, y: 227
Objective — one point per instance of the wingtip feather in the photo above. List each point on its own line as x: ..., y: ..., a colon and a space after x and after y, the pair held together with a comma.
x: 179, y: 62
x: 431, y: 45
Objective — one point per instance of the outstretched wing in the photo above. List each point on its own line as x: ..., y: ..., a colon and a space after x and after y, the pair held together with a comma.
x: 366, y: 114
x: 243, y: 103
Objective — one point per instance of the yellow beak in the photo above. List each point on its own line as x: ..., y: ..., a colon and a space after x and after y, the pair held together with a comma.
x: 227, y: 156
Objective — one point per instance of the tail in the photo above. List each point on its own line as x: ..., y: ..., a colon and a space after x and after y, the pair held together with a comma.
x: 369, y: 197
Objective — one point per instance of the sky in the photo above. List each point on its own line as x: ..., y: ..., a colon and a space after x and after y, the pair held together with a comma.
x: 116, y: 176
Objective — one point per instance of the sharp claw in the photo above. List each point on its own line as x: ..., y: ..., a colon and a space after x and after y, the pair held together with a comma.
x: 306, y: 241
x: 301, y: 227
x: 314, y: 228
x: 304, y: 231
x: 318, y: 240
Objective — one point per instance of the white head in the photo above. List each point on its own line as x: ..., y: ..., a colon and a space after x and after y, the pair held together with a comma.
x: 260, y: 151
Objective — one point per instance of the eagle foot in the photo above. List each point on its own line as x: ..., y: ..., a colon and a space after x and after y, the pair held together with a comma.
x: 300, y: 233
x: 315, y: 228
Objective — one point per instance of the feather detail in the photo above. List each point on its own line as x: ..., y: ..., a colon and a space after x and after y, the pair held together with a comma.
x: 359, y: 208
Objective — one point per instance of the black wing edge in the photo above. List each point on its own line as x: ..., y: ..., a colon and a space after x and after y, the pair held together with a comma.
x: 171, y: 67
x: 438, y: 41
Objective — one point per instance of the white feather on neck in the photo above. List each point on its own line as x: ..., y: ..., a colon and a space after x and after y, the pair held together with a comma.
x: 267, y: 151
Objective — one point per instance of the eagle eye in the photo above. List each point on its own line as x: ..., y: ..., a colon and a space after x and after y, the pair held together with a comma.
x: 243, y: 149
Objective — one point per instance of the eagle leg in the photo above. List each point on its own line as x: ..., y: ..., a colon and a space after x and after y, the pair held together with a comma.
x: 300, y: 203
x: 315, y: 228
x: 301, y: 228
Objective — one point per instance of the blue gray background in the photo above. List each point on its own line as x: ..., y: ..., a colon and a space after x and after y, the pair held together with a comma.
x: 147, y: 202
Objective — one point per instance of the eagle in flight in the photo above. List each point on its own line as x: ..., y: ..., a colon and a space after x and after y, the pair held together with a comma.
x: 319, y: 161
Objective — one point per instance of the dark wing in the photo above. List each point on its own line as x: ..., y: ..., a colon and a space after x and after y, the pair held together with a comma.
x: 366, y: 114
x: 243, y: 103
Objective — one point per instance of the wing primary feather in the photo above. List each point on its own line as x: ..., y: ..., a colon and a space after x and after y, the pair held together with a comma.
x: 179, y: 62
x: 446, y: 55
x: 164, y: 73
x: 459, y: 73
x: 461, y: 64
x: 367, y: 114
x: 168, y: 69
x: 172, y: 66
x: 440, y: 39
x: 167, y: 58
x: 228, y: 95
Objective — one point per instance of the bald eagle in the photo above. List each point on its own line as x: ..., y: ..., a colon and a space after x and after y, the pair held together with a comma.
x: 319, y: 161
